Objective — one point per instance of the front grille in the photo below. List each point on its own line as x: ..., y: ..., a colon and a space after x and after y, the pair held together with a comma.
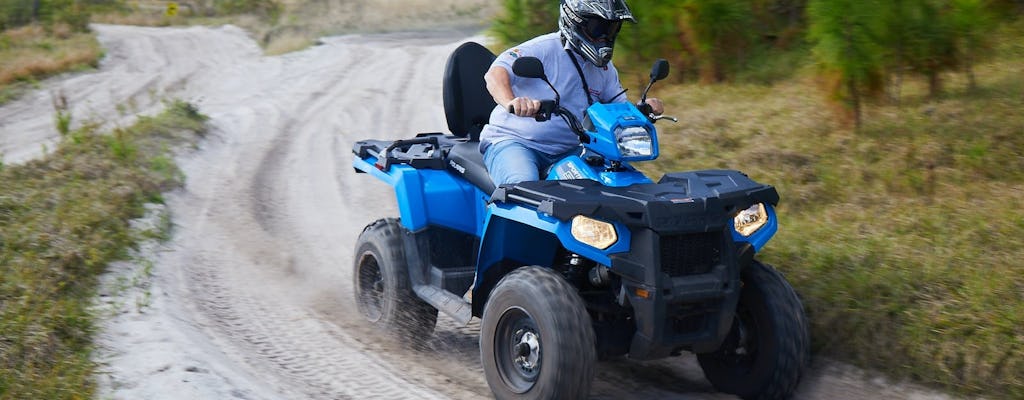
x: 691, y: 254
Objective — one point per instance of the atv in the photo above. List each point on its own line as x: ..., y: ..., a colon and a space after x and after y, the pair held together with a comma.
x: 595, y: 261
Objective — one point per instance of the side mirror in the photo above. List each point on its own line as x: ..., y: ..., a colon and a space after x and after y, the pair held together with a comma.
x: 660, y: 70
x: 529, y: 67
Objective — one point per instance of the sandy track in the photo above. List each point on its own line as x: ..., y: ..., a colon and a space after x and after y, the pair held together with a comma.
x: 252, y: 298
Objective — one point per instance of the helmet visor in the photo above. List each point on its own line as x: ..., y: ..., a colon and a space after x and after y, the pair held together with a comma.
x: 601, y: 29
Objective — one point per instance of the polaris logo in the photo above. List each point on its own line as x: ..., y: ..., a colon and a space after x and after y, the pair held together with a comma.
x: 457, y: 167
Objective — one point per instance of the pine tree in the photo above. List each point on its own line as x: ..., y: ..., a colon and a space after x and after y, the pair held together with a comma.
x: 845, y: 35
x: 932, y: 48
x: 522, y: 20
x: 972, y: 26
x: 720, y: 31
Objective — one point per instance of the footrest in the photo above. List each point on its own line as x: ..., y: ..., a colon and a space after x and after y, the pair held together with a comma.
x: 446, y: 302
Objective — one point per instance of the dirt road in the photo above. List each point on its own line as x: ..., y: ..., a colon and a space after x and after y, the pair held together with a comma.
x: 251, y: 299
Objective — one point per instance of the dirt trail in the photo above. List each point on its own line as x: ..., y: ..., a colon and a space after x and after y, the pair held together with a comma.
x: 251, y: 299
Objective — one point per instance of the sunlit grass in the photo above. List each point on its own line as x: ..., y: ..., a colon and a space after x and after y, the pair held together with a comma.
x: 62, y: 220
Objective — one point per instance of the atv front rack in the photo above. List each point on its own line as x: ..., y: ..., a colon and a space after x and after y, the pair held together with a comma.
x: 696, y: 201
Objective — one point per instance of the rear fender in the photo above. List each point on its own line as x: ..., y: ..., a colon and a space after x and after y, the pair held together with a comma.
x: 430, y: 197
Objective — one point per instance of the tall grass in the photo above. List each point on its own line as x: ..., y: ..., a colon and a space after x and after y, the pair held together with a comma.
x: 33, y: 52
x: 62, y: 220
x: 904, y: 239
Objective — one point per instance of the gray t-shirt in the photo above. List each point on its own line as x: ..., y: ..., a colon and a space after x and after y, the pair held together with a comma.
x: 553, y: 136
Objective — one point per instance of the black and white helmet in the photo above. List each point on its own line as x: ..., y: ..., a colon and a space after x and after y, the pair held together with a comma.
x: 590, y: 26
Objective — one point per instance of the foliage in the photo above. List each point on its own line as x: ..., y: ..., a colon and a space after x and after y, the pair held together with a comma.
x: 932, y: 43
x: 62, y: 219
x: 845, y: 36
x: 719, y: 31
x: 522, y: 20
x: 973, y: 25
x: 73, y: 13
x: 267, y: 9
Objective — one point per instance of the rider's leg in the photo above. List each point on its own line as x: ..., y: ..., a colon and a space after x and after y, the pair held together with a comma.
x: 510, y: 162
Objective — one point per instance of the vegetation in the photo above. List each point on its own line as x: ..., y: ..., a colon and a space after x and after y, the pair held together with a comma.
x: 859, y: 46
x: 903, y: 238
x: 62, y: 220
x: 846, y: 49
x: 41, y: 38
x: 33, y: 52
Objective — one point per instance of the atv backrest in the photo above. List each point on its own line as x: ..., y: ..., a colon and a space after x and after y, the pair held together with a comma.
x: 467, y: 103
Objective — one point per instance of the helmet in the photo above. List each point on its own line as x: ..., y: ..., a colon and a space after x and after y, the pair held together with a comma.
x: 590, y: 27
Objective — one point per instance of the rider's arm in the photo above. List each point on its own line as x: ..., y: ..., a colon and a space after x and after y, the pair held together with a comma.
x: 499, y: 84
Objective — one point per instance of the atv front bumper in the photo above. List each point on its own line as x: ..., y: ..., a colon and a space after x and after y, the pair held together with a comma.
x: 680, y: 308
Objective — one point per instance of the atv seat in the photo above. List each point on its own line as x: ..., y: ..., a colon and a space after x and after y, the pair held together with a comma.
x: 467, y: 107
x: 465, y: 159
x: 467, y: 103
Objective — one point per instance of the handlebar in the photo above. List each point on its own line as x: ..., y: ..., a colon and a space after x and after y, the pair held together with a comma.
x: 549, y: 108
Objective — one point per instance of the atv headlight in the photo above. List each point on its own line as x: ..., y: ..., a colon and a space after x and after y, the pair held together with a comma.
x: 634, y: 141
x: 592, y: 232
x: 750, y: 220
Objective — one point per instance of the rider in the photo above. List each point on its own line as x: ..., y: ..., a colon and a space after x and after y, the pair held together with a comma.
x: 577, y: 61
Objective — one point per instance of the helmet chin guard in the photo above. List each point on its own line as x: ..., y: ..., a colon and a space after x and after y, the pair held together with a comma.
x: 590, y: 27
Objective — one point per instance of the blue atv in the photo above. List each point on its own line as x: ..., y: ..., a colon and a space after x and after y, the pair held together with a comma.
x: 595, y: 261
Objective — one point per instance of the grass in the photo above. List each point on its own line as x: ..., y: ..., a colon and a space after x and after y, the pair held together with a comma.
x: 33, y: 52
x: 904, y: 239
x: 62, y: 220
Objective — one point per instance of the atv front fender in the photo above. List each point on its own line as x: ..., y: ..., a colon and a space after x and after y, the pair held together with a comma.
x: 515, y: 236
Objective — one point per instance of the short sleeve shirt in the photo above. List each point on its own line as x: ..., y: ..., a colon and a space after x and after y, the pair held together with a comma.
x: 554, y: 136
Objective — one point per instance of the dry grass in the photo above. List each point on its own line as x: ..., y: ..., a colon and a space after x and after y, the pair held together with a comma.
x: 904, y: 239
x: 32, y: 53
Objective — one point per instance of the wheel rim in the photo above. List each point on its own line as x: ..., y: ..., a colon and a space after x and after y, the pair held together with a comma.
x: 518, y: 350
x: 370, y: 287
x: 742, y: 350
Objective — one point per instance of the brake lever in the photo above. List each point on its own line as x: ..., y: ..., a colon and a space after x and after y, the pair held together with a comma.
x: 656, y: 118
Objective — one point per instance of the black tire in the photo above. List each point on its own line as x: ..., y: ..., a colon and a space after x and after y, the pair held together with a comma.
x: 381, y: 284
x: 767, y: 350
x: 536, y: 338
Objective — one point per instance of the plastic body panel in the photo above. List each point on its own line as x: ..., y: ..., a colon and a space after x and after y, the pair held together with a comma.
x: 573, y: 167
x: 431, y: 197
x: 606, y: 118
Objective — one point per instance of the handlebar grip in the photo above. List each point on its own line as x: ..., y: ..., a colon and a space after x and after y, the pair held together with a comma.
x: 645, y: 108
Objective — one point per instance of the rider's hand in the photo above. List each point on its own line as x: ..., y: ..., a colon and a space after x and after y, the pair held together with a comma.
x: 657, y: 107
x: 524, y: 106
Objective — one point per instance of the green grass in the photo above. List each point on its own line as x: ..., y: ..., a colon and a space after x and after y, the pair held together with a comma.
x: 904, y: 239
x: 62, y: 220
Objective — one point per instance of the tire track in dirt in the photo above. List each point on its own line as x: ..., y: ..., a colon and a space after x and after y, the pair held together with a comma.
x: 280, y: 168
